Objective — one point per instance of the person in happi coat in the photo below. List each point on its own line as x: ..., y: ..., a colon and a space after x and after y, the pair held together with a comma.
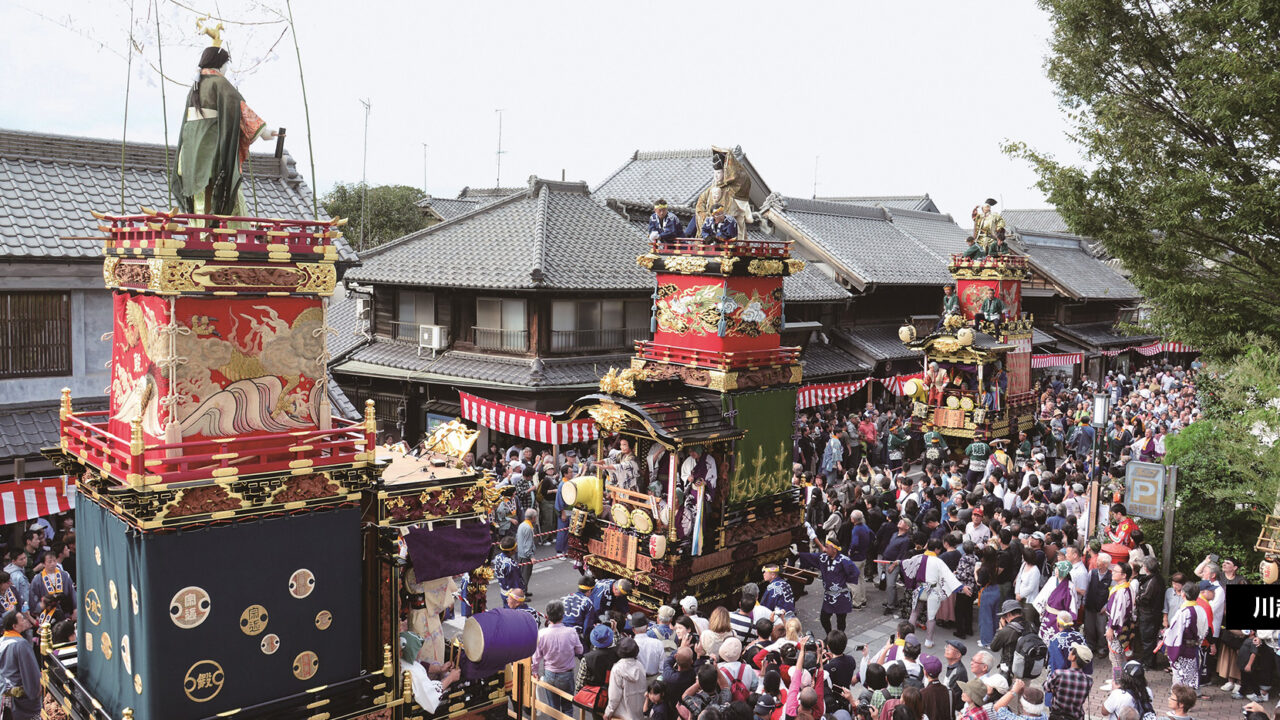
x: 663, y: 225
x: 837, y: 572
x: 8, y: 598
x: 19, y: 672
x: 778, y: 595
x: 577, y: 607
x: 1057, y: 599
x: 505, y: 569
x: 1122, y: 615
x: 1059, y: 647
x: 1187, y: 627
x: 610, y: 595
x: 217, y: 129
x: 53, y: 580
x: 719, y: 227
x: 929, y: 578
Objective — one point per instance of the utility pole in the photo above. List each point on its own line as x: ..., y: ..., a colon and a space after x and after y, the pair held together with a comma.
x: 364, y: 174
x: 498, y: 182
x: 424, y: 169
x: 815, y: 176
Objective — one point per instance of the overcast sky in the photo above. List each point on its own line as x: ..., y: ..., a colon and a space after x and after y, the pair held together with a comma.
x: 902, y: 97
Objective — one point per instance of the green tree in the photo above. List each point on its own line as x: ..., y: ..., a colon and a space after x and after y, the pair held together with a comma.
x: 1226, y: 461
x: 1173, y: 106
x: 392, y: 212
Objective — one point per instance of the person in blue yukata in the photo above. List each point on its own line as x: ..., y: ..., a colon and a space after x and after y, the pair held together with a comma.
x: 778, y: 596
x: 505, y: 569
x: 577, y: 607
x: 663, y: 225
x: 719, y: 227
x: 837, y: 571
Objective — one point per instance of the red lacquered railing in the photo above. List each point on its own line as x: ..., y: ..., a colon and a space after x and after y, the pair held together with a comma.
x: 1018, y: 262
x: 716, y: 359
x: 740, y: 246
x: 138, y: 463
x: 218, y: 232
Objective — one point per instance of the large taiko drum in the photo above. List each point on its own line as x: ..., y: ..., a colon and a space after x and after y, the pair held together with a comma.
x: 495, y: 638
x: 584, y: 492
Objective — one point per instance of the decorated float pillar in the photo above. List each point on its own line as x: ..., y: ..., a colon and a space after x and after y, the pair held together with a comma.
x: 219, y: 499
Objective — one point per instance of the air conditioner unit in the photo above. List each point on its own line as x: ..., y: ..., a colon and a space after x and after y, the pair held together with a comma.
x: 432, y: 337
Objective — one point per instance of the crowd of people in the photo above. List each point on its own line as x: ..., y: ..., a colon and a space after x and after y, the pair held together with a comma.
x: 996, y: 546
x: 37, y: 587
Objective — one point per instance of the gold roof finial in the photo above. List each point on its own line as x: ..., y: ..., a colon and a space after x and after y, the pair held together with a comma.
x: 214, y: 33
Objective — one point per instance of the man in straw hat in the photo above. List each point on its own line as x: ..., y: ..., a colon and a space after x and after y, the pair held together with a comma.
x: 837, y: 571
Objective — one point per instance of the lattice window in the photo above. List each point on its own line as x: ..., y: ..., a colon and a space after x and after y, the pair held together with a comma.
x: 35, y: 334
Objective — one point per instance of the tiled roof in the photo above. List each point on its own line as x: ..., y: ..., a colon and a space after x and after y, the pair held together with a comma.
x: 485, y: 368
x: 448, y: 208
x: 25, y: 428
x: 1102, y: 334
x: 1033, y: 221
x: 862, y: 242
x: 823, y: 361
x: 339, y: 402
x: 897, y: 202
x: 1040, y: 337
x: 678, y: 176
x: 1081, y: 274
x: 552, y: 235
x: 938, y: 232
x: 487, y: 195
x: 878, y: 342
x: 342, y: 318
x: 50, y: 183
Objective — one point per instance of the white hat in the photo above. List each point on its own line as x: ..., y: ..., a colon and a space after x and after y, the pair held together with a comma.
x: 996, y: 682
x: 690, y: 604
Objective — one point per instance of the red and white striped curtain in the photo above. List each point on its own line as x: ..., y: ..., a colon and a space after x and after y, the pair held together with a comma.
x: 1154, y: 348
x: 1056, y: 360
x: 527, y: 424
x: 812, y: 395
x: 895, y: 383
x: 27, y: 499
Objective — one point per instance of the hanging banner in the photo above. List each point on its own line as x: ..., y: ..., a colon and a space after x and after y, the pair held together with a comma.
x: 1056, y: 360
x: 527, y: 424
x: 895, y: 383
x: 813, y: 395
x: 27, y: 499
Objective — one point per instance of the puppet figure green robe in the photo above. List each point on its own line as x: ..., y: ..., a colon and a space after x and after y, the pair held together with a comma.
x: 217, y: 129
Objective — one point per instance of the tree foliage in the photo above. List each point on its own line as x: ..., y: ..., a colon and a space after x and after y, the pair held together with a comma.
x: 392, y: 212
x: 1226, y: 461
x: 1173, y: 105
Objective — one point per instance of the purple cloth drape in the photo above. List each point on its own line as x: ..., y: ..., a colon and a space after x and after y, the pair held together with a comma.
x: 447, y: 550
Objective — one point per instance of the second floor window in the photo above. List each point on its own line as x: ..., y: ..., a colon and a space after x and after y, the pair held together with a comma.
x: 501, y: 324
x: 413, y: 308
x: 35, y: 334
x: 597, y: 324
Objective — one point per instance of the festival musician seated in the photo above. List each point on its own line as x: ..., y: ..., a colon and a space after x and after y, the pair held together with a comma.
x: 430, y: 680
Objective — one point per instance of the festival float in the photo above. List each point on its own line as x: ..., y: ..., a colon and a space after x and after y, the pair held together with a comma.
x: 245, y: 554
x: 713, y: 395
x: 977, y: 379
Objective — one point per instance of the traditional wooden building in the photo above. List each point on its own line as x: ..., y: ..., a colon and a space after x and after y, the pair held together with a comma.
x: 53, y: 305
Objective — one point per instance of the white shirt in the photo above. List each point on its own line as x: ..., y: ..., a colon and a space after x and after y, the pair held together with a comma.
x: 651, y: 654
x: 1028, y: 582
x: 1080, y: 578
x: 977, y: 532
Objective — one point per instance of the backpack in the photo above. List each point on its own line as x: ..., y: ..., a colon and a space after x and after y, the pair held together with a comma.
x: 1029, y: 657
x: 738, y: 692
